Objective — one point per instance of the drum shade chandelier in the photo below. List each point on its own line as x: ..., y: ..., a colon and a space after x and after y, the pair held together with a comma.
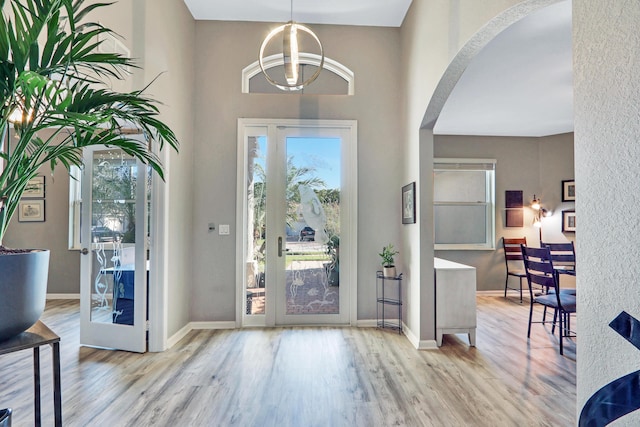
x: 291, y: 55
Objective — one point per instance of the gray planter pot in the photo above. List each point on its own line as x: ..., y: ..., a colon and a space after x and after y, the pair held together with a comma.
x: 23, y: 290
x: 389, y: 271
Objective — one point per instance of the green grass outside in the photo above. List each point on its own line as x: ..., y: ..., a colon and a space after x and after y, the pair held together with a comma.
x: 317, y: 256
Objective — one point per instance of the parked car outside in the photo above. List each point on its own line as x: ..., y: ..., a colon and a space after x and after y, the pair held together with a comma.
x: 101, y: 234
x: 307, y: 233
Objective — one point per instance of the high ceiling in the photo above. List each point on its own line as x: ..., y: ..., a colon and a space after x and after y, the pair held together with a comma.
x: 383, y: 13
x: 518, y: 85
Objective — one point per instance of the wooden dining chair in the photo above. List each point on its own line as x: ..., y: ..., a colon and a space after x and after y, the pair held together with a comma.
x: 538, y: 266
x: 563, y: 256
x: 513, y: 262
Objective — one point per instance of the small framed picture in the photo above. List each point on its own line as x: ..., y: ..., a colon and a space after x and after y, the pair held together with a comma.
x: 31, y: 211
x: 409, y: 203
x: 513, y: 203
x: 569, y: 190
x: 35, y: 188
x: 569, y: 221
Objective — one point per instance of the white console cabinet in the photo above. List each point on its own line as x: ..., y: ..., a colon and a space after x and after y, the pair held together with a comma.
x: 455, y: 288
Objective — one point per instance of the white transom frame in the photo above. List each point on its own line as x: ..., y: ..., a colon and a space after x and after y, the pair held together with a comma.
x: 276, y: 60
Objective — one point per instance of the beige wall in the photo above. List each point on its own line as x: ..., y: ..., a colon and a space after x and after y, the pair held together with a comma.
x: 533, y: 165
x: 164, y: 40
x: 224, y: 49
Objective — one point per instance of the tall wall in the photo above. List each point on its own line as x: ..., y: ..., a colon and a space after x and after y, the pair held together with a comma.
x: 607, y: 130
x: 535, y: 166
x: 165, y: 40
x: 432, y: 33
x: 224, y: 49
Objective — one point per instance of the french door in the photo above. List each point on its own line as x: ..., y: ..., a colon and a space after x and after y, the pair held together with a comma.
x: 114, y: 261
x: 297, y: 248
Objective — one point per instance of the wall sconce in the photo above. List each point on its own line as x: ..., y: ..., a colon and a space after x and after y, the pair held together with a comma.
x: 540, y: 213
x: 535, y: 203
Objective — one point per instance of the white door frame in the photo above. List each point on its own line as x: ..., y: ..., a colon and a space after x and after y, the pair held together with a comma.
x: 348, y: 201
x: 158, y: 284
x: 105, y: 334
x: 158, y: 256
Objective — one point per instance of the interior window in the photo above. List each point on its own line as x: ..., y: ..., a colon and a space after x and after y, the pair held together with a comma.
x: 463, y: 203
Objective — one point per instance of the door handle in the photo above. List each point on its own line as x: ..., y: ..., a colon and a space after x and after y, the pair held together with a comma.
x: 280, y: 246
x: 84, y: 251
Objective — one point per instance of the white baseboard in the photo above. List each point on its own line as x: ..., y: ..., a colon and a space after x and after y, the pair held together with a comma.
x: 213, y: 325
x: 418, y: 343
x: 428, y: 345
x: 198, y: 325
x: 63, y: 296
x: 173, y: 339
x: 413, y: 339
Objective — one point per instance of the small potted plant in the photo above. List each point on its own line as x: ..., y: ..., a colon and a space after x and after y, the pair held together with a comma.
x: 388, y: 264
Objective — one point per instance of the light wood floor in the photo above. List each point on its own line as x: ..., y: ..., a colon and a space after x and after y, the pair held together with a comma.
x: 307, y: 377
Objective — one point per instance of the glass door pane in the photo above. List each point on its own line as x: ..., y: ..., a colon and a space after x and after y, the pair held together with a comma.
x: 113, y: 236
x: 257, y: 226
x: 296, y: 235
x: 312, y: 225
x: 114, y: 264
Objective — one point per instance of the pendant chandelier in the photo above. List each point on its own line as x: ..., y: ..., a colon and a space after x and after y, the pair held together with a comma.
x: 290, y: 55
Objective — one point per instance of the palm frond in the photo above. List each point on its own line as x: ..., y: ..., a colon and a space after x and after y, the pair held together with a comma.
x: 54, y: 71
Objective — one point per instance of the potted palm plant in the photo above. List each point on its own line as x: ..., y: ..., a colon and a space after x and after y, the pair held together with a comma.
x: 55, y: 94
x: 388, y: 264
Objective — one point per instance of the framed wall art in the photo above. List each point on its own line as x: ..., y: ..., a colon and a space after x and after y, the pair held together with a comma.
x: 31, y: 211
x: 35, y: 188
x: 514, y: 212
x: 409, y: 203
x: 569, y: 190
x: 569, y: 221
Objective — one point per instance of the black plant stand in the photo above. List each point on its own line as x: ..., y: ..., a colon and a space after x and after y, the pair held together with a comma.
x: 389, y: 297
x: 35, y: 337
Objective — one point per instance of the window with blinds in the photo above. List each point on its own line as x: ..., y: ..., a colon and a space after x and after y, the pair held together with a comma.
x: 463, y: 203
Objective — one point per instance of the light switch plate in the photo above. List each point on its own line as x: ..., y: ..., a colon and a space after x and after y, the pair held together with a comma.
x: 223, y: 229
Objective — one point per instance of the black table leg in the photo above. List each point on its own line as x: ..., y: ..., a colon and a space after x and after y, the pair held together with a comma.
x: 36, y: 385
x: 34, y: 337
x: 57, y: 387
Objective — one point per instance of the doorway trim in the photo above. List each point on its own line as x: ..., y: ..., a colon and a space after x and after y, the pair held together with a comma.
x: 158, y: 312
x: 350, y: 198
